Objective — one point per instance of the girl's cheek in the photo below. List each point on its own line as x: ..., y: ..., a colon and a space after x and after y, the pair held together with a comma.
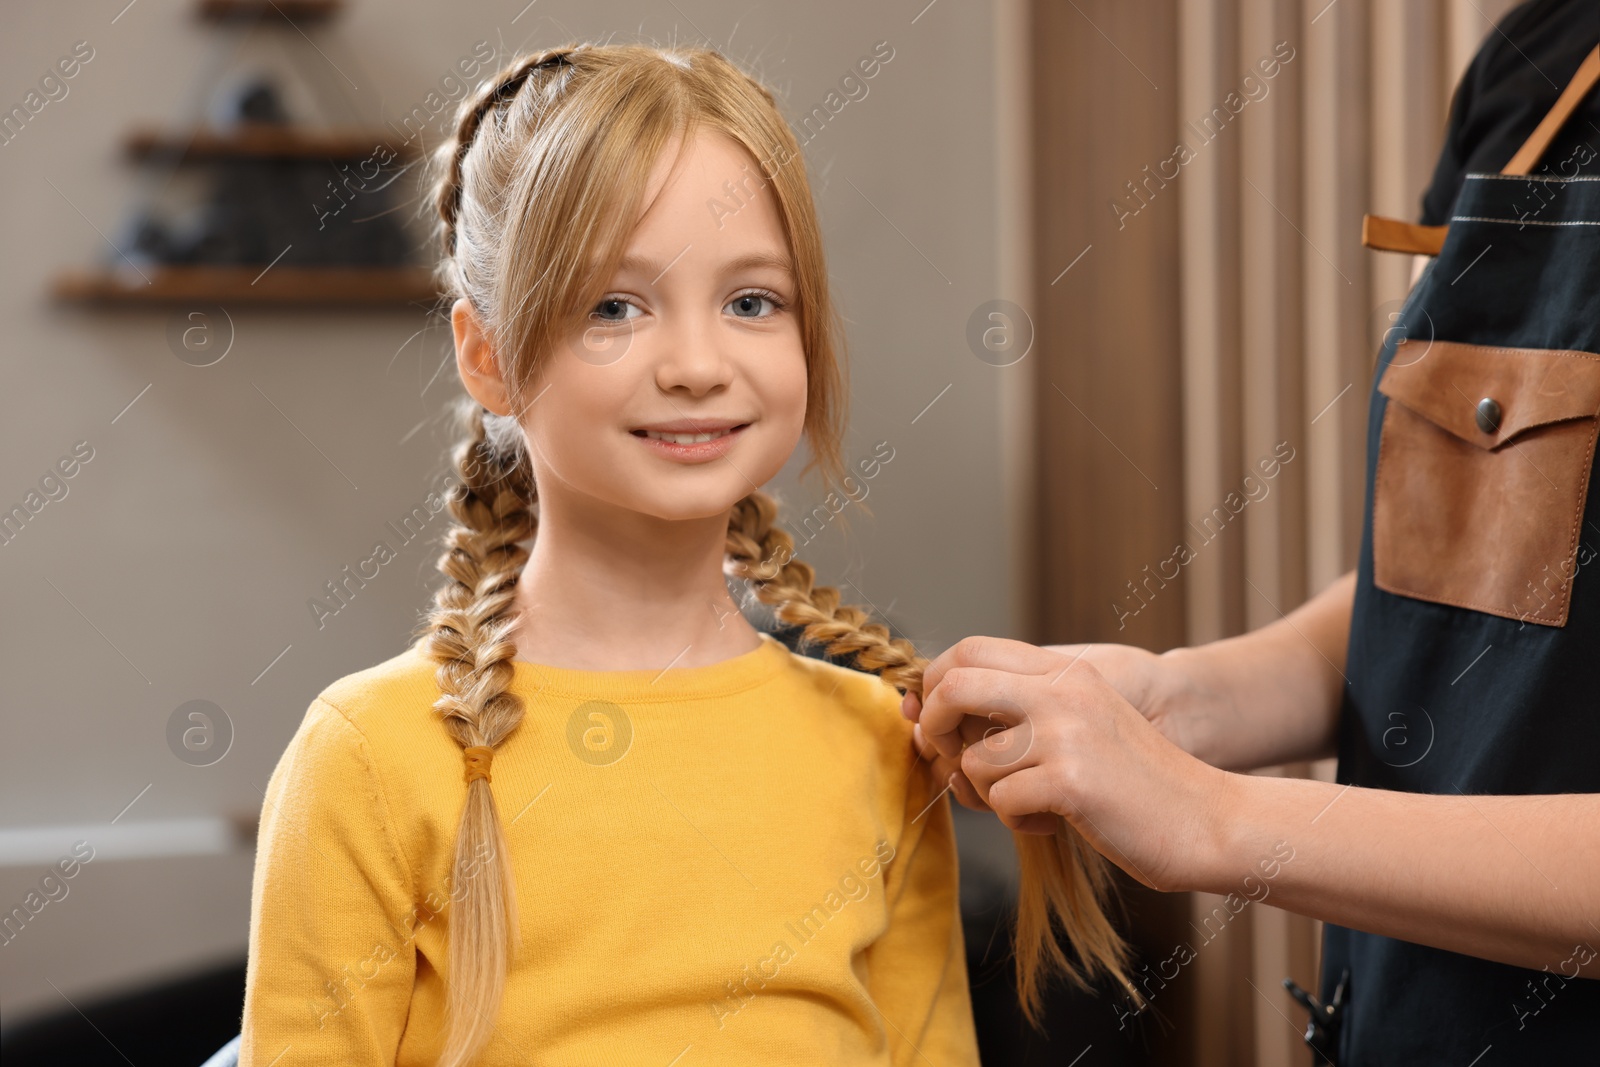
x: 789, y: 385
x: 785, y: 392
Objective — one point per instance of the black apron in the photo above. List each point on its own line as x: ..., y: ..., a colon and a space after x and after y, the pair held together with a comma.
x: 1474, y: 655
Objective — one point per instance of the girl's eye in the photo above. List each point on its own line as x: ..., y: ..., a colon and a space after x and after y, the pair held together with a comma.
x: 613, y: 309
x: 749, y: 305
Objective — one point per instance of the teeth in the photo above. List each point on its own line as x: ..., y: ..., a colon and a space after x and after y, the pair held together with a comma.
x: 685, y: 438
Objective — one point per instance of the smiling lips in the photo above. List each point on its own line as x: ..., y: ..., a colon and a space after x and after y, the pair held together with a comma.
x: 691, y: 440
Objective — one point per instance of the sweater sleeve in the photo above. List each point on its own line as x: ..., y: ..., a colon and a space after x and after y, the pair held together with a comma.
x: 917, y: 971
x: 331, y: 964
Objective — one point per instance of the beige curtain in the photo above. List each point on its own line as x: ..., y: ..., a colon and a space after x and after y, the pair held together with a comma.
x: 1231, y: 315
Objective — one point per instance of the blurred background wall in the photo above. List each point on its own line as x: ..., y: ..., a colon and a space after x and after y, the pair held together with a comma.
x: 1070, y: 363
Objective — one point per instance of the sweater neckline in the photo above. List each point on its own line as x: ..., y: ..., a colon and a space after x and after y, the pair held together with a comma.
x: 646, y: 686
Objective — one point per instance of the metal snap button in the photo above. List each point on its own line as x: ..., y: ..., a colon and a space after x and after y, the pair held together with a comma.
x: 1489, y: 414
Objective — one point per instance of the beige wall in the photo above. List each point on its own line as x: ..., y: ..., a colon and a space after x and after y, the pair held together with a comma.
x: 180, y: 562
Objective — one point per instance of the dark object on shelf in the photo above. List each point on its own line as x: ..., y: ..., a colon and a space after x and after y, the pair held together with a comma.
x: 256, y: 101
x: 285, y: 213
x: 260, y: 210
x: 146, y: 239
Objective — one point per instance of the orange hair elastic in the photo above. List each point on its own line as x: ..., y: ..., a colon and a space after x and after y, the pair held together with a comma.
x: 478, y: 759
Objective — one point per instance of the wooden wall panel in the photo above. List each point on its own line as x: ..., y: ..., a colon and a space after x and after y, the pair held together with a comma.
x: 1107, y: 383
x: 1339, y: 341
x: 1210, y: 308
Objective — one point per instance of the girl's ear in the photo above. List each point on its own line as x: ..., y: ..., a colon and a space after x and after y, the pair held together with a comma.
x: 480, y: 371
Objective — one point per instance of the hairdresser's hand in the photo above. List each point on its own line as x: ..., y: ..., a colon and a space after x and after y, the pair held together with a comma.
x: 1162, y: 687
x: 1156, y: 685
x: 1040, y: 734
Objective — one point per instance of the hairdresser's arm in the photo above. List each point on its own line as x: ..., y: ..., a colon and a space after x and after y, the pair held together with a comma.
x: 1263, y: 698
x: 1508, y: 878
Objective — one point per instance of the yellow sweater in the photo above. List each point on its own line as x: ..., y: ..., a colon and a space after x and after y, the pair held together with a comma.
x: 743, y: 863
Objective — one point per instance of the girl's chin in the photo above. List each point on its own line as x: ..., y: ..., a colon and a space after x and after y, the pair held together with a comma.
x: 682, y: 502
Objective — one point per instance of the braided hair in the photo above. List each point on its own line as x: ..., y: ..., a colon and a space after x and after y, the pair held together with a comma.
x: 545, y: 169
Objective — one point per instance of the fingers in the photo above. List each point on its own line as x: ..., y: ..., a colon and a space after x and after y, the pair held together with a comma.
x: 911, y: 705
x: 970, y: 732
x: 963, y: 788
x: 1038, y: 823
x: 1027, y: 800
x: 948, y: 770
x: 995, y: 653
x: 997, y: 754
x: 995, y: 697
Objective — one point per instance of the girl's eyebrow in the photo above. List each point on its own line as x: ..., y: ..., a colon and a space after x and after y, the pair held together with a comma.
x: 757, y: 260
x: 750, y: 261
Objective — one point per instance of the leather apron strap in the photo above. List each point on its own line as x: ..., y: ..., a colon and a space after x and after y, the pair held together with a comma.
x: 1398, y: 235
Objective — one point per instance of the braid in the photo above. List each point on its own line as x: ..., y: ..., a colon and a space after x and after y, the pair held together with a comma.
x: 452, y: 155
x: 493, y: 508
x: 763, y: 553
x: 468, y: 634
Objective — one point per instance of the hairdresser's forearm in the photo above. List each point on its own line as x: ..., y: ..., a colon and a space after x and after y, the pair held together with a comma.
x: 1267, y: 697
x: 1508, y: 878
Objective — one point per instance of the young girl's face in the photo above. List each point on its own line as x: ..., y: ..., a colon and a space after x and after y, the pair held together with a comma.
x: 695, y: 336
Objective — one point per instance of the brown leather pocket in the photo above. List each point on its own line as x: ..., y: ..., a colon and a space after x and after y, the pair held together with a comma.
x: 1480, y: 512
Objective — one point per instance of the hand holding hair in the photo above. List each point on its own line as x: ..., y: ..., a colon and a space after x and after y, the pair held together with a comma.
x: 1174, y: 701
x: 1039, y: 734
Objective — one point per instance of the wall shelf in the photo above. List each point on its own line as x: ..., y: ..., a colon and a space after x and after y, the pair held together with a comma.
x: 267, y: 185
x: 226, y: 284
x: 263, y: 140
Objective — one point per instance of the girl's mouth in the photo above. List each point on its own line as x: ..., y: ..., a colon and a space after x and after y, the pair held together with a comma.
x: 691, y: 447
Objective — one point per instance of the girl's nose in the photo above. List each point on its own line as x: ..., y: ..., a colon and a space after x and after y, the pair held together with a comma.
x: 692, y: 359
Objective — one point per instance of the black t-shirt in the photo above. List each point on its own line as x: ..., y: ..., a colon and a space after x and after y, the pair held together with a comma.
x: 1511, y: 83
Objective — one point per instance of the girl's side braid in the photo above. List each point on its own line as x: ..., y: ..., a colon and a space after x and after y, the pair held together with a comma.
x: 468, y: 633
x: 763, y: 553
x: 1065, y: 883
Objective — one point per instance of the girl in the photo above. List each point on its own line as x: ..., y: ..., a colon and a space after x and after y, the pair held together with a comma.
x: 697, y: 847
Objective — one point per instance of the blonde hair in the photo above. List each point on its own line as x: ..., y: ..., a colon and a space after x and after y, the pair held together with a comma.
x: 536, y: 196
